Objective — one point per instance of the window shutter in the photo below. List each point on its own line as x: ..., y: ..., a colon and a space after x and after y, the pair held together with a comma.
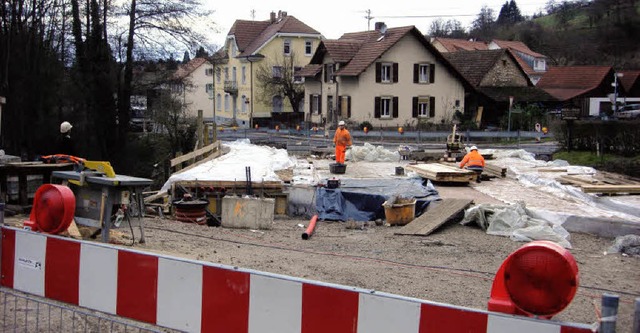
x: 395, y: 72
x: 432, y: 107
x: 395, y: 107
x: 376, y: 108
x: 325, y: 72
x: 416, y: 73
x: 432, y: 73
x: 348, y: 106
x: 415, y: 107
x: 319, y: 104
x: 310, y: 103
x: 378, y: 72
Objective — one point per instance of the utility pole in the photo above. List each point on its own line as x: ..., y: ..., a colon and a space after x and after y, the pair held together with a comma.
x: 369, y: 18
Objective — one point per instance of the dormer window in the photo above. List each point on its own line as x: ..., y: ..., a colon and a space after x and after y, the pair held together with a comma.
x: 287, y: 47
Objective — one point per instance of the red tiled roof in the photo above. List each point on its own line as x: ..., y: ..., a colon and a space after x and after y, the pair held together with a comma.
x: 372, y: 46
x: 455, y: 45
x: 251, y: 35
x: 310, y: 70
x: 517, y: 46
x: 186, y: 69
x: 629, y: 78
x: 571, y: 81
x: 342, y: 51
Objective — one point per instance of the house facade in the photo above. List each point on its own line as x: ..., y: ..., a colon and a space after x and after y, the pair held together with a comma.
x: 251, y: 47
x: 498, y: 81
x: 387, y: 77
x: 192, y: 84
x: 533, y: 63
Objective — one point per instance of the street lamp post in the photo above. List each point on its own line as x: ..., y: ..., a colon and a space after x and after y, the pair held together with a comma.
x: 615, y: 91
x: 251, y: 59
x: 510, y: 104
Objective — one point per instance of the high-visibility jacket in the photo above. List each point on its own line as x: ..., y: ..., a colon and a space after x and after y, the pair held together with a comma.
x: 473, y: 158
x: 342, y: 137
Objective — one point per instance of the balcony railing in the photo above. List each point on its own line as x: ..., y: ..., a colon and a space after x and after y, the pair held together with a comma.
x: 231, y: 87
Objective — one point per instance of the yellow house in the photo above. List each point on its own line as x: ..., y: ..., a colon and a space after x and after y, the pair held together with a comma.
x: 387, y: 77
x: 253, y: 46
x: 193, y: 86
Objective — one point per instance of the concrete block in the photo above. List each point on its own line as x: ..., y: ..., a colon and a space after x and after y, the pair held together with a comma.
x: 247, y: 212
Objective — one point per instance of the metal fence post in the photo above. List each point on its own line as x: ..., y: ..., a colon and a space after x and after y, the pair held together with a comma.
x: 609, y: 313
x: 636, y: 317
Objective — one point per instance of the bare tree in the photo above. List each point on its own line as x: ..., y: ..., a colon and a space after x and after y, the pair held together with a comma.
x: 278, y: 78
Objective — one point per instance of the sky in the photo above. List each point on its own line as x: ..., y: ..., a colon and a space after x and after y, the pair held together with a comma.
x: 333, y: 18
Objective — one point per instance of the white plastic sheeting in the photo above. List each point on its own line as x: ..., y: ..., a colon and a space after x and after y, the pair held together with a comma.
x: 516, y: 222
x: 371, y: 153
x: 262, y: 160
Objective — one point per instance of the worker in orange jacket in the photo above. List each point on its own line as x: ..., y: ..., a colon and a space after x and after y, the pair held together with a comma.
x: 474, y: 161
x: 342, y: 140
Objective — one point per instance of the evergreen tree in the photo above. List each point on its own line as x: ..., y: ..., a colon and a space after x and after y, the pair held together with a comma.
x: 186, y: 58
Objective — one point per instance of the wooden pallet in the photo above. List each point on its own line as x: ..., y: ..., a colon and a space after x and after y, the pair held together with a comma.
x: 441, y: 212
x: 439, y: 172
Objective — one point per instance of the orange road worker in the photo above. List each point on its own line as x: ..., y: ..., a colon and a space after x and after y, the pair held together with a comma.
x: 342, y: 140
x: 474, y: 161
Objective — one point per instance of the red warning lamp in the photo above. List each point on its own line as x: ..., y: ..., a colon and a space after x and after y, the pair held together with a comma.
x: 315, y: 129
x: 298, y: 128
x: 538, y: 280
x: 256, y: 126
x: 366, y: 130
x: 53, y: 209
x: 277, y: 128
x: 400, y: 130
x: 221, y: 129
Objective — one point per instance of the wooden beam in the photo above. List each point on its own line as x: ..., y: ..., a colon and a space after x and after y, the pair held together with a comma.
x: 631, y: 189
x: 435, y: 216
x: 181, y: 159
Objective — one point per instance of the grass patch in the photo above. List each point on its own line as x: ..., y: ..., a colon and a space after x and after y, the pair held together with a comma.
x: 629, y: 166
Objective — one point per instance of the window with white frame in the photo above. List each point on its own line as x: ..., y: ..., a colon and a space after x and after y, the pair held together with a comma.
x: 423, y: 106
x: 209, y: 89
x: 386, y: 72
x: 244, y: 74
x: 386, y: 107
x: 315, y: 104
x: 308, y: 48
x: 297, y: 78
x: 287, y: 47
x: 277, y: 72
x: 226, y: 102
x: 208, y: 71
x: 423, y: 73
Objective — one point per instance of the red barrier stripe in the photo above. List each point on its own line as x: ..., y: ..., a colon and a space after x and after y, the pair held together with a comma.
x: 137, y: 286
x: 8, y: 257
x: 434, y: 318
x: 62, y: 270
x: 225, y: 300
x: 326, y: 309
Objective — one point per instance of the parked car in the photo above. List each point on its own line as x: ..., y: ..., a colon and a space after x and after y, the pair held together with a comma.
x: 629, y: 111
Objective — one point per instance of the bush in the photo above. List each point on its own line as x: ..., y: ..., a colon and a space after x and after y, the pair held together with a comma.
x: 366, y: 124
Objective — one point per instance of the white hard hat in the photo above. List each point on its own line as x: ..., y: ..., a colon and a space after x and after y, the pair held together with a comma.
x: 65, y: 127
x: 473, y: 148
x: 341, y: 123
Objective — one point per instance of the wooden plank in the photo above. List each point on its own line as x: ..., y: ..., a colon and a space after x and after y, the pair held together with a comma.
x: 495, y: 170
x: 577, y: 180
x: 439, y: 172
x: 229, y: 184
x: 441, y: 212
x: 631, y: 189
x: 208, y: 158
x: 195, y: 153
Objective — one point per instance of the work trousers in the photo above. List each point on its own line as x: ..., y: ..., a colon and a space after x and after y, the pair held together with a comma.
x: 340, y: 153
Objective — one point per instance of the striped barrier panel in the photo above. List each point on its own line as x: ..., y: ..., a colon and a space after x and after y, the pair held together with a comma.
x: 203, y: 297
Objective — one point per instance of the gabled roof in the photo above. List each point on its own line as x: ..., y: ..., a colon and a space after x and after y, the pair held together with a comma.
x: 474, y: 65
x: 188, y: 68
x: 517, y: 46
x: 310, y: 70
x: 571, y: 81
x: 455, y: 45
x: 252, y: 35
x: 629, y: 79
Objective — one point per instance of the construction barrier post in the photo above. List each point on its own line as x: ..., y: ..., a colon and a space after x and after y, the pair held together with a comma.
x: 609, y: 313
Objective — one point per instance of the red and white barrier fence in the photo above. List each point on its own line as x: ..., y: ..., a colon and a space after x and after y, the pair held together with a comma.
x: 203, y: 297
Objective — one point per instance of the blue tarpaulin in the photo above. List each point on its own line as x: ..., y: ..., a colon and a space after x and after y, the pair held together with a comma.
x: 362, y: 199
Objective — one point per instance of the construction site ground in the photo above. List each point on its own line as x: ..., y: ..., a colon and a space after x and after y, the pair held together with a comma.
x: 456, y: 264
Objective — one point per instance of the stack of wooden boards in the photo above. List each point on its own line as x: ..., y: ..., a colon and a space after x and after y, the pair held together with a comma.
x: 451, y: 173
x: 604, y: 183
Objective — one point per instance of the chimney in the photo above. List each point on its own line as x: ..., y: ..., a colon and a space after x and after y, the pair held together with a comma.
x: 273, y: 17
x: 380, y: 26
x: 284, y: 14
